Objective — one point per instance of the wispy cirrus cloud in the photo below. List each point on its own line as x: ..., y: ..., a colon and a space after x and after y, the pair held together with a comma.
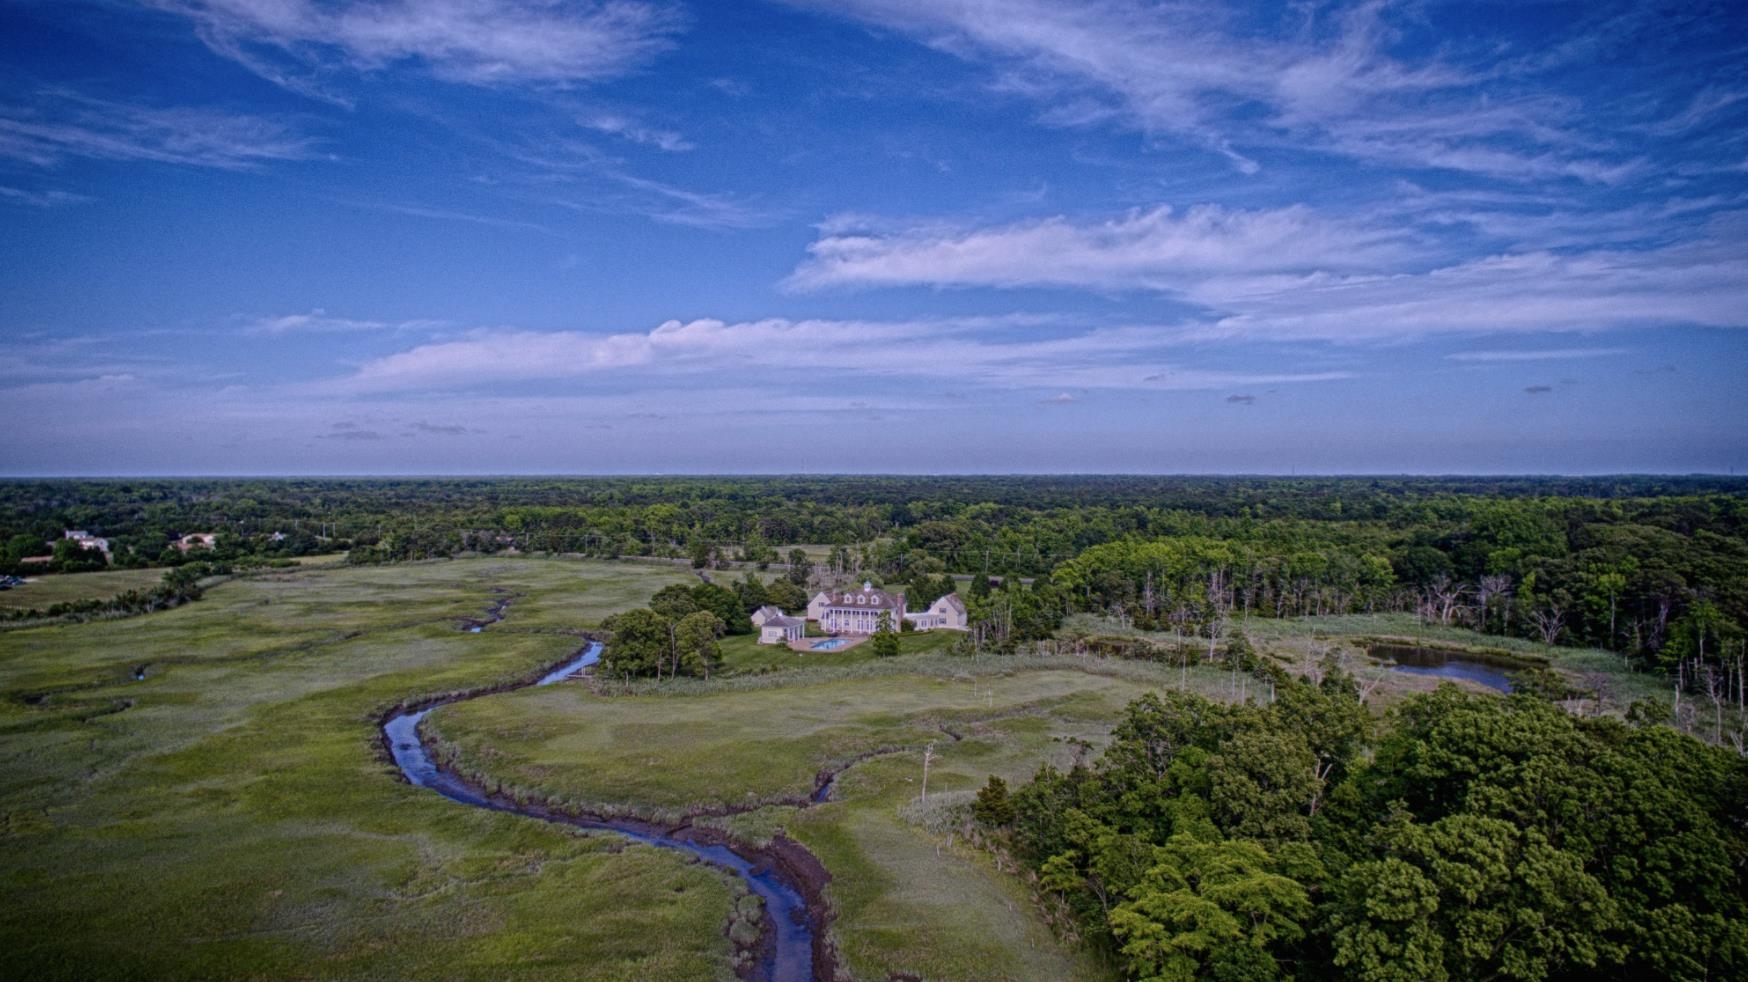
x: 632, y: 131
x: 1703, y: 282
x: 319, y: 321
x: 58, y: 123
x: 1155, y: 249
x: 478, y: 42
x: 41, y: 199
x: 1545, y: 354
x: 982, y: 352
x: 554, y: 171
x: 1293, y: 273
x: 1326, y: 77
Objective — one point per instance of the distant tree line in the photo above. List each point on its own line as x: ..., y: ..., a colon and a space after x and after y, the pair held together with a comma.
x: 1655, y: 568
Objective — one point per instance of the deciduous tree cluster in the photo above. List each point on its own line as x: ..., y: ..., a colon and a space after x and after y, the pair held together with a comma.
x: 1468, y: 837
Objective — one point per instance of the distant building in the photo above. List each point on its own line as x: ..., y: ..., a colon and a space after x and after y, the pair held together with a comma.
x: 196, y: 540
x: 860, y: 611
x: 86, y: 540
x: 780, y: 629
x: 764, y: 614
x: 947, y: 613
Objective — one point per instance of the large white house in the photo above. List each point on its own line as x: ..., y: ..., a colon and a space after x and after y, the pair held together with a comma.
x: 947, y: 613
x: 860, y: 611
x: 857, y: 611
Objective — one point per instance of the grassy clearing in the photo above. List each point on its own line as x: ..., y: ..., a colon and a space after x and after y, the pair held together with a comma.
x: 43, y: 591
x: 1300, y: 643
x: 910, y: 896
x: 1301, y: 640
x: 229, y: 816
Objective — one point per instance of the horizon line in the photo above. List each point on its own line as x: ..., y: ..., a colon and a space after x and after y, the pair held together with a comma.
x: 1729, y: 474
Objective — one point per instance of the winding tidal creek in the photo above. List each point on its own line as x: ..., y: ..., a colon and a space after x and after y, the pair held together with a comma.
x: 789, y: 953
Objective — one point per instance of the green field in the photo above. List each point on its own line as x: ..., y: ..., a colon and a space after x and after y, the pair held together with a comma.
x: 231, y: 815
x: 43, y: 591
x: 909, y: 895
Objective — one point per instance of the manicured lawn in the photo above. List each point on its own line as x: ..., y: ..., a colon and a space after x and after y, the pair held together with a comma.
x: 230, y: 815
x: 742, y: 654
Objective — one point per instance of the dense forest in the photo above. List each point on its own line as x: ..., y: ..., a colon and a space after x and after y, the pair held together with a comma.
x: 1655, y: 568
x: 1470, y: 837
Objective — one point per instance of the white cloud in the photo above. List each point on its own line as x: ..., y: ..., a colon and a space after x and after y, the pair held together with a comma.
x: 554, y: 171
x: 41, y: 199
x: 1702, y: 283
x: 1294, y: 273
x: 1545, y: 354
x: 1303, y: 77
x: 315, y: 322
x: 631, y: 130
x: 481, y: 42
x: 1157, y: 249
x: 978, y: 352
x: 60, y: 124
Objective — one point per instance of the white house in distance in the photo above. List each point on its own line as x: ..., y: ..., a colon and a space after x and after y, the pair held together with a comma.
x: 860, y: 611
x: 782, y: 629
x: 86, y: 540
x: 947, y: 613
x: 776, y: 627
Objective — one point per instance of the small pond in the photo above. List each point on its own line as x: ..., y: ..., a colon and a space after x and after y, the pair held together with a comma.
x: 1444, y: 664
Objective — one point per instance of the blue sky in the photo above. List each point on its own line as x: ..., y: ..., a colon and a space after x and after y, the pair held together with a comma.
x: 652, y: 236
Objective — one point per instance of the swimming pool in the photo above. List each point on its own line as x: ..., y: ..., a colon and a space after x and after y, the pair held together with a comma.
x: 829, y: 644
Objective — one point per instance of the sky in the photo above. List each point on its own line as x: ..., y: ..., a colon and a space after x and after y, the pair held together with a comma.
x: 894, y: 236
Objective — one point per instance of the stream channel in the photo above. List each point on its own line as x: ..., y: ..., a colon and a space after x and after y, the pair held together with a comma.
x: 789, y: 959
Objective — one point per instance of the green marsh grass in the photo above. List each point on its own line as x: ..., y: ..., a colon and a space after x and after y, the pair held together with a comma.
x: 911, y: 896
x: 235, y: 818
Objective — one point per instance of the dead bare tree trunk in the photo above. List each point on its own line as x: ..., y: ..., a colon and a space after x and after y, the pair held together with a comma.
x: 928, y: 758
x: 1549, y: 622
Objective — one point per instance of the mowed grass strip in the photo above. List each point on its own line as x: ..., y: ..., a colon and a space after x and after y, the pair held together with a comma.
x: 233, y: 818
x: 742, y: 654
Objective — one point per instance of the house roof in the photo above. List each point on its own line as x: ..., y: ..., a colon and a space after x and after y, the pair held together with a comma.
x: 785, y: 622
x: 869, y: 597
x: 950, y: 600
